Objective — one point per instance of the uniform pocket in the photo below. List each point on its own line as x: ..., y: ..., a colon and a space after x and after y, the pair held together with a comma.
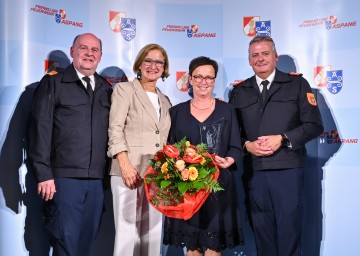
x: 73, y: 112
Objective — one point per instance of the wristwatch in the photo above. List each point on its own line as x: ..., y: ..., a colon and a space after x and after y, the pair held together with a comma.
x: 285, y: 142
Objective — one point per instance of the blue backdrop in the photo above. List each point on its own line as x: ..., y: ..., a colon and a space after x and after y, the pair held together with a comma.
x: 317, y: 38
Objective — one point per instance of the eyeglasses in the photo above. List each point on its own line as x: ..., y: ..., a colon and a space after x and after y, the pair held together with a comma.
x: 158, y: 63
x: 208, y: 79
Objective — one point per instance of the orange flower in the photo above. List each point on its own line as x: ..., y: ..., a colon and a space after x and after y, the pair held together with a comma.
x: 185, y: 174
x: 180, y: 165
x: 193, y: 173
x: 191, y: 152
x: 164, y: 167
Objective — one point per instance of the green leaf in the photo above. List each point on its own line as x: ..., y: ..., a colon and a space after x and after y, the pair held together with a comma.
x: 165, y: 183
x: 198, y: 185
x: 202, y: 173
x: 183, y: 186
x: 212, y: 170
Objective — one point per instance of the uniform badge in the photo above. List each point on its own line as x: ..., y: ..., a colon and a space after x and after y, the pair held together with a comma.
x: 51, y: 73
x: 334, y: 81
x: 263, y: 28
x: 249, y: 25
x: 50, y: 65
x: 237, y: 82
x: 128, y: 28
x: 311, y: 98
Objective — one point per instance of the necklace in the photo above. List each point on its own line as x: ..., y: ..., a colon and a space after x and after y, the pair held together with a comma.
x: 192, y: 103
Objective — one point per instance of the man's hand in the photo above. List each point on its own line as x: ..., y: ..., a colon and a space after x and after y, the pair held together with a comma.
x: 259, y: 148
x: 271, y: 141
x: 46, y: 189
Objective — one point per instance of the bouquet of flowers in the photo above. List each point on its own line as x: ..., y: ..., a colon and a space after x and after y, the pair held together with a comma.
x: 180, y: 178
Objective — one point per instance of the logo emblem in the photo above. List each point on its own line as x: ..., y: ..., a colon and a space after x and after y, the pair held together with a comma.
x: 249, y: 25
x: 189, y: 32
x: 182, y: 81
x: 50, y: 65
x: 320, y: 75
x: 263, y: 28
x: 63, y: 14
x: 128, y: 28
x: 334, y: 81
x: 194, y: 28
x: 58, y: 18
x: 311, y: 98
x: 328, y: 24
x: 333, y: 19
x: 115, y: 20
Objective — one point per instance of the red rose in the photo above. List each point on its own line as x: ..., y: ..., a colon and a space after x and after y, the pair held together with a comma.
x: 171, y: 151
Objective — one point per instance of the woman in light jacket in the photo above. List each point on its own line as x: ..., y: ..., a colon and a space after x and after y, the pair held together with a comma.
x: 138, y: 127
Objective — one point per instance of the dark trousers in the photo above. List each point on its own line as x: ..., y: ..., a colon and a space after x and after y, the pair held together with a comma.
x: 72, y: 218
x: 276, y: 203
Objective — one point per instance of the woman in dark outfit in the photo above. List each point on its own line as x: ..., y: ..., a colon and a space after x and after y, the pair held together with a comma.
x: 217, y: 225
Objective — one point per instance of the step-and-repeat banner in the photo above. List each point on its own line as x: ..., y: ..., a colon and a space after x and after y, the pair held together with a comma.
x: 319, y: 39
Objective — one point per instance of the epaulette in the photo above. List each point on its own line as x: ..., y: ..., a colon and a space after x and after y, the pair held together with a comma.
x: 237, y: 82
x: 295, y: 74
x: 107, y: 81
x: 52, y: 72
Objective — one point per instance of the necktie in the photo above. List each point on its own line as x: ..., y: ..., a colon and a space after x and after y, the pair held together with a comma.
x: 264, y: 90
x: 88, y: 86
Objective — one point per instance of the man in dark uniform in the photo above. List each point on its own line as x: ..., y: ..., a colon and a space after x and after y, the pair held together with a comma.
x: 278, y: 115
x: 67, y: 148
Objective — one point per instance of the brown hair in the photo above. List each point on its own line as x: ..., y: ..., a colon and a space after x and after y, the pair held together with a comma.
x: 142, y: 54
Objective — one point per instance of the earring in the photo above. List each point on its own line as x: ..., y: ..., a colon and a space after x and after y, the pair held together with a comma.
x: 163, y: 77
x: 138, y: 75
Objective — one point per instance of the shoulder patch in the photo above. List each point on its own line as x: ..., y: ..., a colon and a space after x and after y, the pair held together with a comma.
x: 295, y: 74
x: 52, y: 72
x: 311, y: 99
x: 237, y: 82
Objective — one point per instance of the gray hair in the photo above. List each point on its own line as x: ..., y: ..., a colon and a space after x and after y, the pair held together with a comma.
x: 258, y: 39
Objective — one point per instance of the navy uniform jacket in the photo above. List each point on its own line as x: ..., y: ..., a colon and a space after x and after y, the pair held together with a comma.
x: 68, y: 133
x: 290, y: 108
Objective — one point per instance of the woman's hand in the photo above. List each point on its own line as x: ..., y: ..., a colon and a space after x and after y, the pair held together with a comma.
x: 223, y: 163
x: 129, y: 174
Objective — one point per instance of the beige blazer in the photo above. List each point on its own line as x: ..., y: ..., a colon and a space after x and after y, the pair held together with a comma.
x: 134, y: 126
